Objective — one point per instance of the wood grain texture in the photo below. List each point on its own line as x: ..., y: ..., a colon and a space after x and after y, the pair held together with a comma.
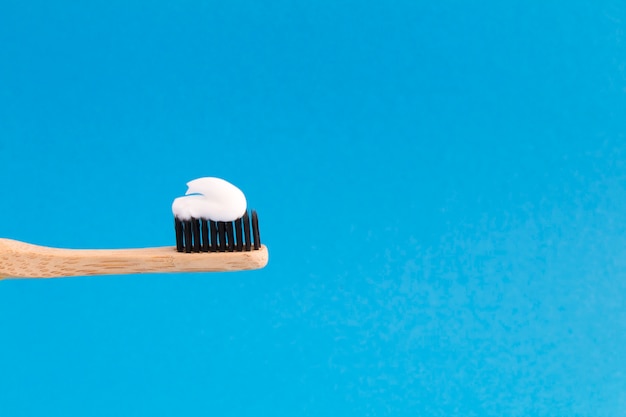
x: 23, y: 260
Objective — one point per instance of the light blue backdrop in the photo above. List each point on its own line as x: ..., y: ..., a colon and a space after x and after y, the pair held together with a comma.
x: 441, y: 186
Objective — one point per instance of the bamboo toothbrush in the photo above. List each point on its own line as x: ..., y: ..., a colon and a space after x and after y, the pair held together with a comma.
x: 23, y: 260
x: 214, y: 241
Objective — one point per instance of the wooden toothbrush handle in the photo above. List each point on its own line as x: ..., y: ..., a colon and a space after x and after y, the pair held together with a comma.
x: 23, y: 260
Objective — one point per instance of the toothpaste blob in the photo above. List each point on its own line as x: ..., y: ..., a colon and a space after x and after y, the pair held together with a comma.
x: 210, y: 198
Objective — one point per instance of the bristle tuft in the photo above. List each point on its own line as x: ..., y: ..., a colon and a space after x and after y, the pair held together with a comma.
x: 213, y: 246
x: 246, y: 231
x: 255, y: 230
x: 188, y: 235
x: 205, y: 235
x: 178, y: 227
x: 239, y: 235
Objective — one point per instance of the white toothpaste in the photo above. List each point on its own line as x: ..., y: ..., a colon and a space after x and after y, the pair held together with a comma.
x: 211, y: 198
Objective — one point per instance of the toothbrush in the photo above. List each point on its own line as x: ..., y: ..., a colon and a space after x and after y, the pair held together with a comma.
x: 23, y: 260
x: 212, y: 235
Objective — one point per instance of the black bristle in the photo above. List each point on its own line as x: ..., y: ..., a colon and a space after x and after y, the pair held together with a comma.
x: 255, y: 230
x: 246, y: 230
x: 188, y: 235
x: 199, y: 235
x: 178, y: 227
x: 196, y: 234
x: 205, y: 235
x: 221, y: 230
x: 238, y: 237
x: 213, y: 245
x: 230, y: 237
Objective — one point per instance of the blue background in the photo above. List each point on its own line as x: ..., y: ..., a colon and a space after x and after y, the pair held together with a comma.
x: 441, y: 185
